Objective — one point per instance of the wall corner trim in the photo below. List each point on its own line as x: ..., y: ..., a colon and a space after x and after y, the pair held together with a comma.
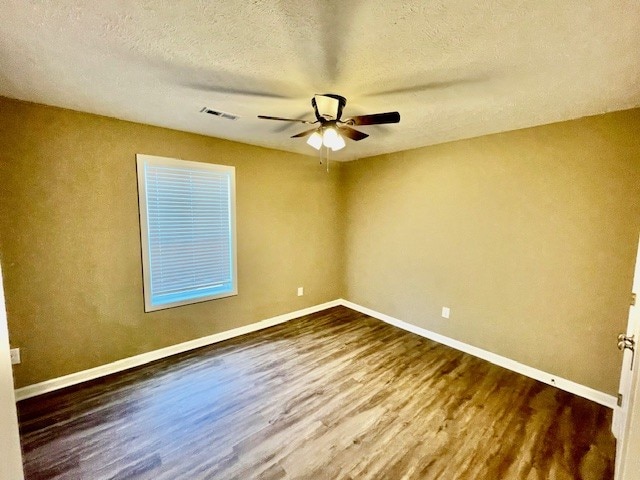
x: 144, y: 358
x: 544, y: 377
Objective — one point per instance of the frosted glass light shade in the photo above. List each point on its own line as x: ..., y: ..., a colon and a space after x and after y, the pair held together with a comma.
x: 327, y: 106
x: 315, y: 140
x: 338, y: 143
x: 331, y: 139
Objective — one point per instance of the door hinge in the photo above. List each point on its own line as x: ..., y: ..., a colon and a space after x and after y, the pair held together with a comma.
x: 633, y: 299
x: 619, y: 399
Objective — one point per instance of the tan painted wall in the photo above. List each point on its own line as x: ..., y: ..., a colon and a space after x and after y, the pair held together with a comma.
x: 70, y: 239
x: 528, y: 236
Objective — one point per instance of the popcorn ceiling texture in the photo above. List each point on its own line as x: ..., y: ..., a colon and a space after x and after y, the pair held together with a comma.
x: 486, y: 66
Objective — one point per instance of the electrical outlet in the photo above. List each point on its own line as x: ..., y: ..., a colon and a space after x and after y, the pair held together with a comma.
x: 446, y: 311
x: 300, y: 291
x: 15, y: 356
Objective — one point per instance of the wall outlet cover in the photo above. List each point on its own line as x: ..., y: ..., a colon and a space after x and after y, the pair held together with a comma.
x: 446, y: 311
x: 300, y: 291
x: 15, y: 356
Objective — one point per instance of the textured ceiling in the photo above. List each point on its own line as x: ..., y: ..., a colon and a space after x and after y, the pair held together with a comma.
x: 453, y: 69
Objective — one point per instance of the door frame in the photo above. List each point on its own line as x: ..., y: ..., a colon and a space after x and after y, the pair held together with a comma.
x: 626, y: 424
x: 10, y: 453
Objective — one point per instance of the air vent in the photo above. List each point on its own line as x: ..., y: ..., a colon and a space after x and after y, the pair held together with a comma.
x: 218, y: 113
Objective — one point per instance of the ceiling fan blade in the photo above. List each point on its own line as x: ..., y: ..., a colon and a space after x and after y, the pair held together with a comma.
x: 287, y: 126
x: 352, y: 134
x: 234, y: 91
x: 374, y: 119
x: 226, y: 90
x: 305, y: 133
x: 423, y: 87
x: 267, y: 117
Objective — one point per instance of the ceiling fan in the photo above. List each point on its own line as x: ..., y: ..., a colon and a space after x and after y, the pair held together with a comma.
x: 328, y: 111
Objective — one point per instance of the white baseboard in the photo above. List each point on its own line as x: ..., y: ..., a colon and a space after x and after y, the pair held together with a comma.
x: 137, y: 360
x: 562, y: 383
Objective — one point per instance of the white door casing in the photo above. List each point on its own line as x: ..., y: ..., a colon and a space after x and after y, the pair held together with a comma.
x: 10, y: 455
x: 626, y: 418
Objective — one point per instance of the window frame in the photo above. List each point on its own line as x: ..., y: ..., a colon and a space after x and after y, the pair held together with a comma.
x: 142, y: 160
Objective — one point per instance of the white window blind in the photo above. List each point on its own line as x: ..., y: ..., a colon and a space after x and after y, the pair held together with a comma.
x: 187, y: 219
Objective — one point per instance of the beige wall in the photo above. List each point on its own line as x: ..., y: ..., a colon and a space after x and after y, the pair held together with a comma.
x: 70, y: 238
x: 528, y: 236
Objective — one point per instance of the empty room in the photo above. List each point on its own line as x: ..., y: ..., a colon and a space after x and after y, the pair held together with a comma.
x: 319, y: 240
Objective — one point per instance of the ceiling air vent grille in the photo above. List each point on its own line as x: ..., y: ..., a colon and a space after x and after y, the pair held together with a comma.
x: 218, y: 113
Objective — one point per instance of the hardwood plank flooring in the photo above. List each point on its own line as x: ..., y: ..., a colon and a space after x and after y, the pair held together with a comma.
x: 334, y: 395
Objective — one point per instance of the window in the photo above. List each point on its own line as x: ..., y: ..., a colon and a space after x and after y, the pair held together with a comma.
x: 188, y: 234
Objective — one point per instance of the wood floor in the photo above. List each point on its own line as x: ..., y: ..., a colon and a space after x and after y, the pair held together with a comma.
x: 334, y: 395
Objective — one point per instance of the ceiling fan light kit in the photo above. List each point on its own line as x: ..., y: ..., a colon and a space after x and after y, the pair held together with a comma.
x: 328, y: 112
x: 329, y: 137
